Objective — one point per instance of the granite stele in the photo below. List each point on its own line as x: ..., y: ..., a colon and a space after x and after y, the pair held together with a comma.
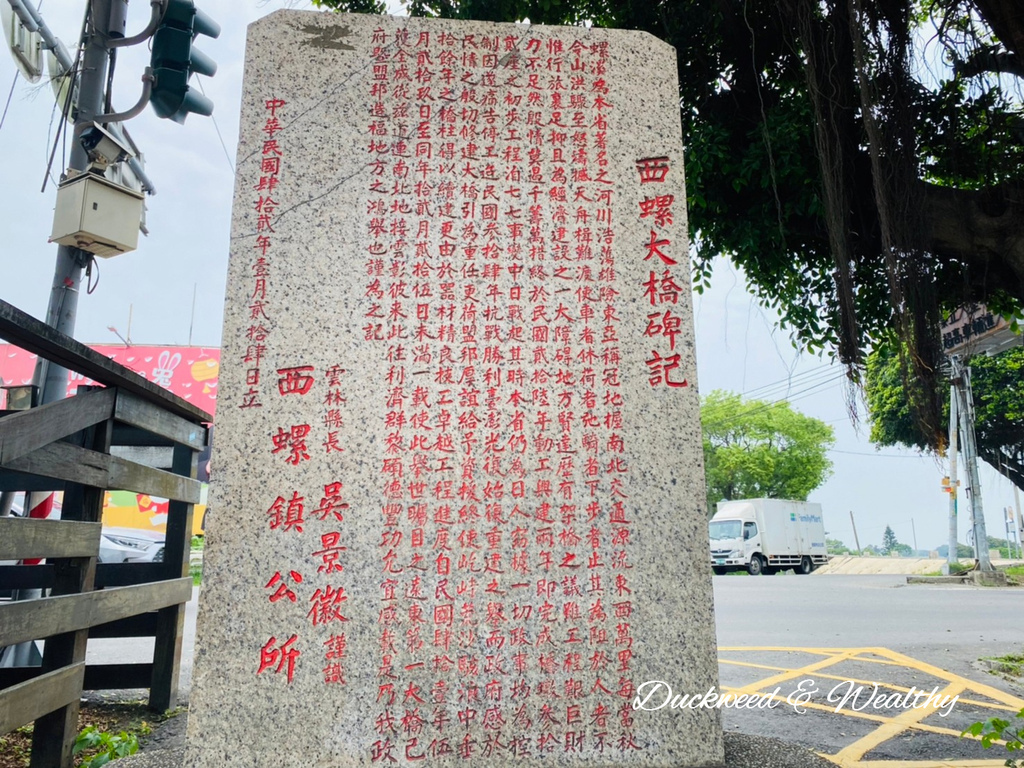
x: 458, y: 505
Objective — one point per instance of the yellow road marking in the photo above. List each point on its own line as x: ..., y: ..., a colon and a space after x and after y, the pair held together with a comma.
x: 881, y: 719
x: 790, y: 674
x: 900, y: 688
x: 894, y: 726
x: 888, y: 727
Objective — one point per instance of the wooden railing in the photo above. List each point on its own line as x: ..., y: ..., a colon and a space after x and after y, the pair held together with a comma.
x: 83, y: 446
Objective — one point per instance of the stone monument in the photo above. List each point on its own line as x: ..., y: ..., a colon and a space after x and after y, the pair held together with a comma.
x: 458, y: 511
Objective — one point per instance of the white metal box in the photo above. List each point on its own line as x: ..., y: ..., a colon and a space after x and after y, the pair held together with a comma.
x: 97, y: 215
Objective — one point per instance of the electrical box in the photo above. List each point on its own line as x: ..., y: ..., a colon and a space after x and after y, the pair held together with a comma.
x: 97, y: 215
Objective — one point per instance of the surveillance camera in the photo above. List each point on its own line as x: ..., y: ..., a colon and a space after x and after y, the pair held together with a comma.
x: 103, y: 147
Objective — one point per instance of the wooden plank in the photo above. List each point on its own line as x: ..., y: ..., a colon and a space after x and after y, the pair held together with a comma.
x: 99, y: 470
x: 127, y: 476
x: 152, y: 418
x: 23, y: 538
x: 34, y: 619
x: 98, y: 677
x: 27, y: 577
x: 30, y: 334
x: 30, y: 430
x: 158, y: 457
x: 34, y: 698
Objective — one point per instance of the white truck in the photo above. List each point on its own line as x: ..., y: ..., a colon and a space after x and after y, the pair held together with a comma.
x: 767, y: 535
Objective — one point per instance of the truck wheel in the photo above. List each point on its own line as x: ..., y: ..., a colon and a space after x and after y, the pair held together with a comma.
x: 756, y: 566
x: 806, y: 566
x: 718, y: 571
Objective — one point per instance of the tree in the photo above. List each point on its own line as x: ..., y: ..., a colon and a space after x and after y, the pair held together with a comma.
x: 860, y: 185
x: 836, y: 547
x: 998, y: 385
x: 889, y: 541
x: 755, y: 449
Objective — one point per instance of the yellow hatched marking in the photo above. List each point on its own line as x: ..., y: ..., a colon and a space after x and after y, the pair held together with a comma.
x: 790, y: 674
x: 880, y: 719
x: 900, y: 688
x: 894, y: 726
x: 849, y: 757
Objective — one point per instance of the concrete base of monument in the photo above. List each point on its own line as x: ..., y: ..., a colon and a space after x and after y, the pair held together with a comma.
x: 166, y: 749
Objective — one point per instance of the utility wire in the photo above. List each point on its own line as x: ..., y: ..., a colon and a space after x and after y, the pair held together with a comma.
x: 878, y: 455
x: 788, y: 383
x: 216, y: 127
x: 14, y: 82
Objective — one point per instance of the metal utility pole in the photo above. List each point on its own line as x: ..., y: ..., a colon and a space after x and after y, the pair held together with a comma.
x: 913, y: 530
x: 855, y: 539
x: 62, y: 310
x: 962, y: 382
x: 951, y: 558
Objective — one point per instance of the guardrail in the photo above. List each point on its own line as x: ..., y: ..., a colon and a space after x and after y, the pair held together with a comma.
x: 70, y: 446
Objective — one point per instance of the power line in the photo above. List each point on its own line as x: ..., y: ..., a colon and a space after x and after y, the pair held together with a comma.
x: 879, y: 455
x: 216, y: 127
x: 14, y: 82
x: 778, y: 387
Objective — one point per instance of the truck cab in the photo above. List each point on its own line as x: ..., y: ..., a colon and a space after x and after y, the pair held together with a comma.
x: 734, y: 542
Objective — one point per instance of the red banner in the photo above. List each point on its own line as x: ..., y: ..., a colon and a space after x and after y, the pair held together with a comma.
x: 189, y: 372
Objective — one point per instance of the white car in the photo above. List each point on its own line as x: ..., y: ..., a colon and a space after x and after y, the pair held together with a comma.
x: 131, y: 545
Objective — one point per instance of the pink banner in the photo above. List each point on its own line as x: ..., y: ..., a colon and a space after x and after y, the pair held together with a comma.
x: 189, y: 372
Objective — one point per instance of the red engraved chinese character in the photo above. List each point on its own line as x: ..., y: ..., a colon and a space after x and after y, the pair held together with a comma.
x: 294, y: 441
x: 330, y: 553
x: 326, y: 605
x: 283, y: 589
x: 286, y: 518
x: 663, y: 291
x: 331, y: 503
x: 667, y: 325
x: 661, y: 368
x: 295, y: 381
x: 331, y: 444
x: 652, y: 169
x: 336, y: 646
x: 654, y: 247
x: 660, y: 207
x: 282, y: 658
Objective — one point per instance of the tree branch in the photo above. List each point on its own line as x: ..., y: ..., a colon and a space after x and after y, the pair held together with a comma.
x: 981, y: 228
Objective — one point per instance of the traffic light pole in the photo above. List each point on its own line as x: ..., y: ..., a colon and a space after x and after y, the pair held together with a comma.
x: 71, y: 262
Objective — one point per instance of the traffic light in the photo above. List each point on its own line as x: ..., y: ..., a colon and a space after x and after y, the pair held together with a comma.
x: 174, y: 60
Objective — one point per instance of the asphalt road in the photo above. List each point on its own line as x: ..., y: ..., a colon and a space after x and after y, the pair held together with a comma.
x: 947, y: 625
x: 774, y: 632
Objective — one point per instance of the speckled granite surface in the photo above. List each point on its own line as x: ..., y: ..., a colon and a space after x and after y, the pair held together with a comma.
x: 458, y: 512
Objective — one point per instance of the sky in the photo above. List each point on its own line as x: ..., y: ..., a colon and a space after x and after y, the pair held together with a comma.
x: 739, y: 344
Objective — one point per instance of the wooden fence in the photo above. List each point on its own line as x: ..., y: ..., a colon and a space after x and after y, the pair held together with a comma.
x: 83, y: 446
